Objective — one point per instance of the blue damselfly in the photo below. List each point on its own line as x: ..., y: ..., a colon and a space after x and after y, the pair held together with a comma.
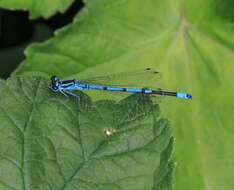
x: 67, y: 87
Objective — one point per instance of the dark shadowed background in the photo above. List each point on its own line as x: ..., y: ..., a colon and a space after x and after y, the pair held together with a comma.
x: 17, y: 32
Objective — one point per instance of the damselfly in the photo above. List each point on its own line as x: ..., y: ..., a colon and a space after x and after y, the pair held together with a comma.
x: 67, y: 87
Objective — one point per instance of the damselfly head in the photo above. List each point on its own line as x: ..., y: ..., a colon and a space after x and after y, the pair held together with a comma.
x: 54, y: 83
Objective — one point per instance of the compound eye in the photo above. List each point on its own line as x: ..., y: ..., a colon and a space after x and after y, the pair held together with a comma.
x: 54, y: 78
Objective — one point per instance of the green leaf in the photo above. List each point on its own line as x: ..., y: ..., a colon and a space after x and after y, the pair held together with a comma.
x: 46, y: 8
x: 190, y: 42
x: 50, y: 142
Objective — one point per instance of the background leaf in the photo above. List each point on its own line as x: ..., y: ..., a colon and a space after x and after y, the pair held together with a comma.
x: 48, y: 142
x: 190, y: 42
x: 45, y: 8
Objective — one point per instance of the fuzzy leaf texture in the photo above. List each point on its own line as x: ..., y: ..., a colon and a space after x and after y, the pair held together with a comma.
x: 190, y: 42
x: 48, y: 142
x: 45, y: 8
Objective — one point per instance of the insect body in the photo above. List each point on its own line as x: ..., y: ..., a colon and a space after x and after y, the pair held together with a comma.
x: 66, y: 87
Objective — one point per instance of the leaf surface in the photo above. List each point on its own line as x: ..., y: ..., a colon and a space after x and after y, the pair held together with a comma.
x: 49, y: 142
x: 45, y: 8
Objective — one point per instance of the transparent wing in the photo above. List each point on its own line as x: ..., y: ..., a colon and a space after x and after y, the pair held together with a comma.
x: 117, y: 96
x: 137, y: 78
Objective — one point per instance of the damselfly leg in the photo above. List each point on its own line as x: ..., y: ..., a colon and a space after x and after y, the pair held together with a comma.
x: 66, y: 93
